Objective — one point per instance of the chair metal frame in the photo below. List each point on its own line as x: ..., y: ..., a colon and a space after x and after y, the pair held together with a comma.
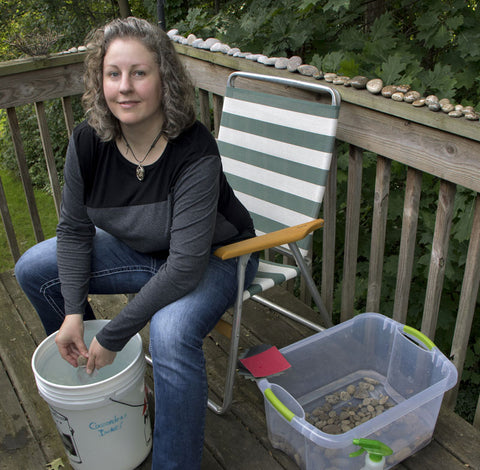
x: 288, y: 236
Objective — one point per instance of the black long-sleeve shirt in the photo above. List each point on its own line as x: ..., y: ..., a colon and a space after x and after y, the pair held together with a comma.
x: 182, y: 209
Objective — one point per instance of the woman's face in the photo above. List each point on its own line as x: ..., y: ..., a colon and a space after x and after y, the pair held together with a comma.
x: 132, y: 83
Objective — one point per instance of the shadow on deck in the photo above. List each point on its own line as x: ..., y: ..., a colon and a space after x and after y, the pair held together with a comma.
x: 238, y: 440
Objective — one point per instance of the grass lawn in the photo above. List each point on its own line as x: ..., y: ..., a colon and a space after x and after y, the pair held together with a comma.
x: 17, y: 206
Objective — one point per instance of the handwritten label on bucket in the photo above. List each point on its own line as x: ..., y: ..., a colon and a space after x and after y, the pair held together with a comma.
x: 107, y: 427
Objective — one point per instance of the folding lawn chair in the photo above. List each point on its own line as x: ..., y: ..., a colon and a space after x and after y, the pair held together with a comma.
x: 276, y: 153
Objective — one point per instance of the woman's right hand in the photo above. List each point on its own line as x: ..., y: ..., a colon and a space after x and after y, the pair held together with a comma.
x: 69, y: 339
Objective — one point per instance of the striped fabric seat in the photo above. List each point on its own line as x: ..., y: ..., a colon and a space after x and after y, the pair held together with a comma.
x: 268, y: 275
x: 276, y: 153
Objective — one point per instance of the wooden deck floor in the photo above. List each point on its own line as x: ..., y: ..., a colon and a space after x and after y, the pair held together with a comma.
x: 236, y: 441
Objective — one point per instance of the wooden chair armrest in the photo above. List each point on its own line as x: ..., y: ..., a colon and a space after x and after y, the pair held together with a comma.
x: 269, y: 240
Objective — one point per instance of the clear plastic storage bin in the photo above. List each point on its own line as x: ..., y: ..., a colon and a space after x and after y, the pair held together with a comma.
x: 370, y: 359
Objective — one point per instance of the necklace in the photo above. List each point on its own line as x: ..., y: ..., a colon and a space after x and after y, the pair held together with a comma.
x: 140, y: 171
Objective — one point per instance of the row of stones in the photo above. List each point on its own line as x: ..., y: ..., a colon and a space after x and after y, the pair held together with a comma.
x: 399, y: 93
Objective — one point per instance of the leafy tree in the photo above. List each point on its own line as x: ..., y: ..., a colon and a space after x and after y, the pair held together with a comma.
x: 70, y: 19
x: 431, y: 44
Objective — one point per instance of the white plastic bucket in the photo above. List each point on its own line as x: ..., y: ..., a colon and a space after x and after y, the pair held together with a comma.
x: 103, y: 420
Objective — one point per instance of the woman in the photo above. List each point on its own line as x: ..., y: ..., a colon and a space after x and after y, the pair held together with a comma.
x: 145, y: 204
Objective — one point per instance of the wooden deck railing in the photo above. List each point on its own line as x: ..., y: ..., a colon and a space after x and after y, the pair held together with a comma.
x: 421, y: 140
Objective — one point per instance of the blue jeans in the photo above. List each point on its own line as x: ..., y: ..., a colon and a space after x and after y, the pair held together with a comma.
x: 176, y: 332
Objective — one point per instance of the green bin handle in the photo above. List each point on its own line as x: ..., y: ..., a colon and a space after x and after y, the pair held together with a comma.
x: 420, y: 336
x: 278, y: 405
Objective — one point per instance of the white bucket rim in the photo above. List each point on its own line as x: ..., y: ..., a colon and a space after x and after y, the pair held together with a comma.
x: 85, y: 387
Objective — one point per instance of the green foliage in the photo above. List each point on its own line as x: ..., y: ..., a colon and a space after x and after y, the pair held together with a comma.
x: 434, y: 45
x: 440, y: 80
x: 71, y: 19
x: 31, y: 140
x: 392, y: 70
x: 20, y: 217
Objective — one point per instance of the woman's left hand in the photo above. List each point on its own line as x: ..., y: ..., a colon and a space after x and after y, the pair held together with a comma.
x: 98, y: 356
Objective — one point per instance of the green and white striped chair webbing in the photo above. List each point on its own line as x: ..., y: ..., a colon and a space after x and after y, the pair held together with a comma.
x: 276, y: 153
x: 270, y: 274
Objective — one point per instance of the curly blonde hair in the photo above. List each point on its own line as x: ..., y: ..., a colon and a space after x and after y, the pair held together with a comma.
x: 177, y: 90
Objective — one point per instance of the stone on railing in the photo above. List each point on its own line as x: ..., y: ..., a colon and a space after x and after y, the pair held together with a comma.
x: 399, y: 93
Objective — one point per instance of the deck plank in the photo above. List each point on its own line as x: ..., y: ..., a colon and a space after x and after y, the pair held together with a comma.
x: 18, y: 447
x: 23, y: 307
x: 433, y: 457
x: 459, y: 438
x: 247, y: 404
x: 16, y: 349
x: 233, y: 447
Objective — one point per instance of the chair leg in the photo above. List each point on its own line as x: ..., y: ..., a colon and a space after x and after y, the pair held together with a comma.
x: 235, y: 339
x: 287, y: 313
x: 233, y: 354
x: 310, y: 284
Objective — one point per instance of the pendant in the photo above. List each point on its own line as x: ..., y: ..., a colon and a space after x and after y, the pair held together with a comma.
x: 140, y: 173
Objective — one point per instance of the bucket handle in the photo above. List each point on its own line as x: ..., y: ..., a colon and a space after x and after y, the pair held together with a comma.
x: 126, y: 404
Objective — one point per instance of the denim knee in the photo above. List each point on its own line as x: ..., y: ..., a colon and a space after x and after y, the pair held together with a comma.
x: 172, y: 340
x: 19, y: 270
x: 24, y: 268
x: 37, y: 264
